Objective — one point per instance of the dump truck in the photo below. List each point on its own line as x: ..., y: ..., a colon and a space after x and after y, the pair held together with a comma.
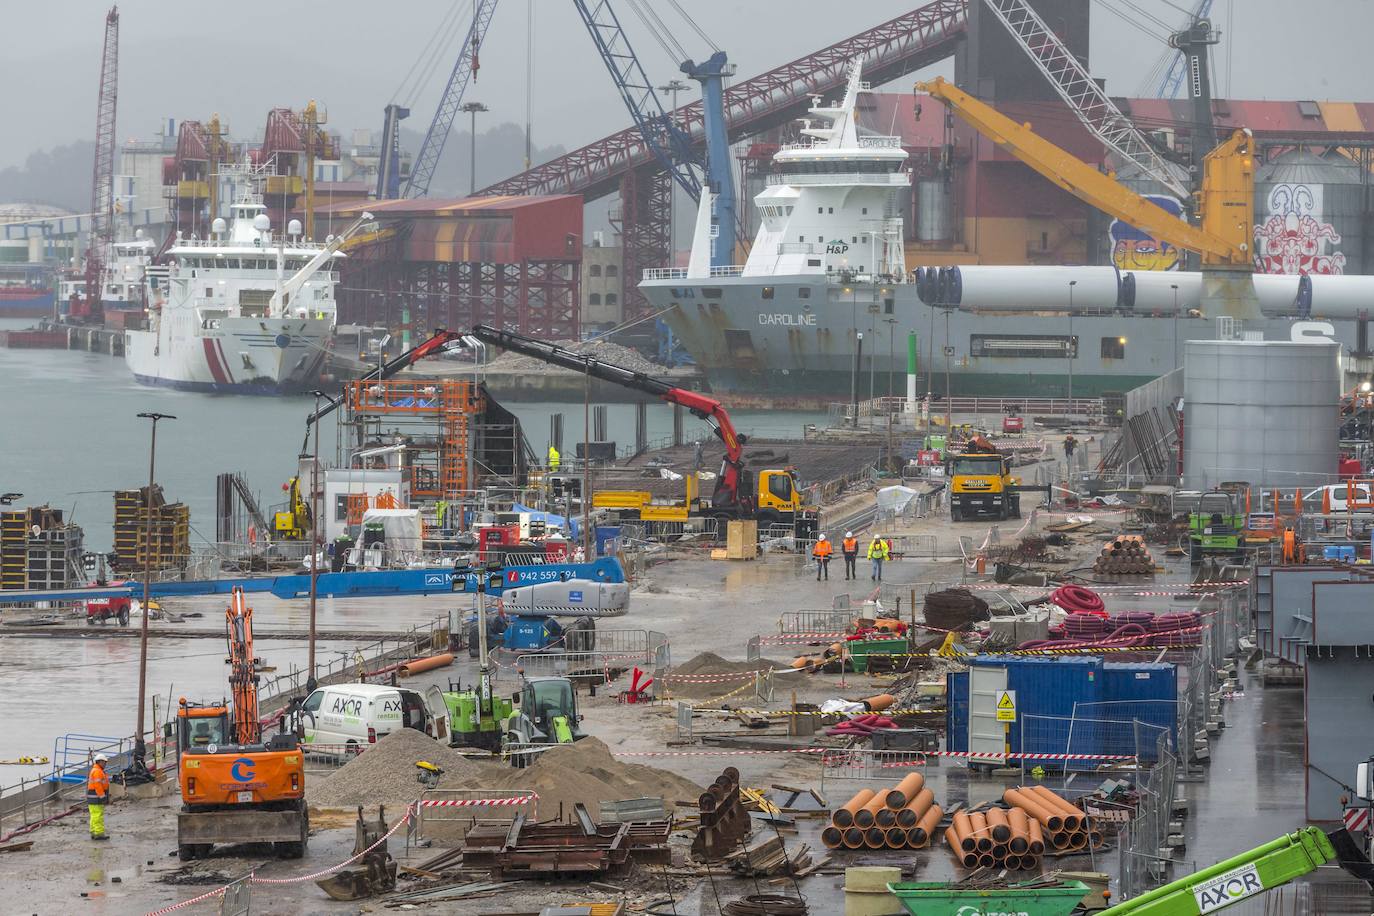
x: 981, y: 483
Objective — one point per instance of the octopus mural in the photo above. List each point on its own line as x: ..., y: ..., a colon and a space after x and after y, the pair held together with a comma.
x: 1291, y: 237
x: 1136, y: 249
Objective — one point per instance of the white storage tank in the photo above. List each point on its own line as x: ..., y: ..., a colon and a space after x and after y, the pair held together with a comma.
x: 1265, y: 412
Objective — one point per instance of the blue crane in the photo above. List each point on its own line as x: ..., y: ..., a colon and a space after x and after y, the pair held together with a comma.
x: 666, y: 139
x: 427, y: 159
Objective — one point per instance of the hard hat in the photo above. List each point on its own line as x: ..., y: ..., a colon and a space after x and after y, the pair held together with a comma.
x: 823, y: 537
x: 849, y: 534
x: 101, y: 758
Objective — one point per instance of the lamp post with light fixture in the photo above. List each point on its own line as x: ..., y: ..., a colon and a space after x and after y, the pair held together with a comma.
x: 1070, y: 348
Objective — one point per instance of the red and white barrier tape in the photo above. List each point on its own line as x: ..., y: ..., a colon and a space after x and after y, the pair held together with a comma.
x: 794, y: 637
x: 479, y: 802
x: 838, y: 758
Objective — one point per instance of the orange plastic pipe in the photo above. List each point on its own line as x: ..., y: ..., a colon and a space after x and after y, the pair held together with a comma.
x: 916, y: 838
x: 998, y: 824
x: 1037, y: 838
x: 911, y: 815
x: 844, y: 816
x: 1073, y: 816
x: 980, y: 834
x: 929, y: 821
x: 952, y: 839
x: 896, y: 837
x: 964, y: 825
x: 1033, y: 807
x: 853, y: 838
x: 420, y: 665
x: 899, y: 796
x: 1020, y: 831
x: 879, y: 702
x: 832, y: 837
x: 875, y: 838
x: 867, y: 816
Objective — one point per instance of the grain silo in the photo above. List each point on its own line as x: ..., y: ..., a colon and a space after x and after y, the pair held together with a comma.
x: 1309, y: 215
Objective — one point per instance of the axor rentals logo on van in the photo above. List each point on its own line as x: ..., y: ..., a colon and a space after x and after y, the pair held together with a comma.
x: 347, y: 706
x: 1226, y: 889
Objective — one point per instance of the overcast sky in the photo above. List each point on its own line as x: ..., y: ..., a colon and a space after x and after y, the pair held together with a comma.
x: 188, y: 60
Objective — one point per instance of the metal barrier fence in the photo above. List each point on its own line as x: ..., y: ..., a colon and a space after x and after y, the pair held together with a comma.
x: 435, y: 816
x: 866, y: 764
x: 650, y: 645
x: 1144, y: 849
x: 1096, y: 741
x: 791, y: 623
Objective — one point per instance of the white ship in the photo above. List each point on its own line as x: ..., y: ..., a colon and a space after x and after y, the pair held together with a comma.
x: 123, y: 281
x: 242, y: 312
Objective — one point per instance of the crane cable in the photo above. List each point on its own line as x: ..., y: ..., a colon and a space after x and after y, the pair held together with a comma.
x: 672, y: 50
x: 692, y: 24
x: 422, y: 69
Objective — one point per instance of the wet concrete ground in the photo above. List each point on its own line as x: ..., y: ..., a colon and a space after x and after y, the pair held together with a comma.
x: 1250, y: 793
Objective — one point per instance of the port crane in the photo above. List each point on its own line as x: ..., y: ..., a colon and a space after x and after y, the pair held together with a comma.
x: 1225, y: 203
x: 102, y: 173
x: 237, y: 787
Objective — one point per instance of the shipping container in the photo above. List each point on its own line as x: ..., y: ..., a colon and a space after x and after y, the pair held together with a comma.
x: 1046, y: 692
x: 1139, y: 692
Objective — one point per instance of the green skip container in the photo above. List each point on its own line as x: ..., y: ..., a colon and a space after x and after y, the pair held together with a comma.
x: 860, y: 649
x: 936, y: 898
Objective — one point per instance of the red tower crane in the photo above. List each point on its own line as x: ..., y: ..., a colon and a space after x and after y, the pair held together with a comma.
x: 102, y: 173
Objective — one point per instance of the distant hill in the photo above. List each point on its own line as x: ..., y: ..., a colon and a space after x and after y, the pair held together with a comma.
x: 60, y: 177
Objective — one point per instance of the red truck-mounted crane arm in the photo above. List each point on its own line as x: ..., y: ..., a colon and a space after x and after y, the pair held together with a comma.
x: 728, y: 491
x: 243, y: 669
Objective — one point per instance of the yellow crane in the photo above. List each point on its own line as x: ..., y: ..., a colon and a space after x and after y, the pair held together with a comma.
x: 1225, y: 204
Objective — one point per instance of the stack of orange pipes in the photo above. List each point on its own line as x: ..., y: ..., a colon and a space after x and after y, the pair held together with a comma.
x: 996, y: 837
x: 902, y: 817
x: 1066, y: 826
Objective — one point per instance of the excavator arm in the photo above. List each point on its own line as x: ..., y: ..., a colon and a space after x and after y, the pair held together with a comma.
x: 728, y: 489
x: 1226, y: 204
x: 243, y: 669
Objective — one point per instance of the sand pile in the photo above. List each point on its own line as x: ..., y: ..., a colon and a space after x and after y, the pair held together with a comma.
x: 586, y: 772
x: 385, y: 773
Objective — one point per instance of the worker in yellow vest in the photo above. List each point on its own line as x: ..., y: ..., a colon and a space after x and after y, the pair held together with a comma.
x: 822, y: 552
x: 554, y: 458
x: 850, y: 548
x: 878, y: 552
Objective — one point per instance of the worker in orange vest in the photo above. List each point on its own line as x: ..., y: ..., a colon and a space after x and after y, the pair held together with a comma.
x: 97, y: 796
x: 850, y: 548
x: 822, y: 552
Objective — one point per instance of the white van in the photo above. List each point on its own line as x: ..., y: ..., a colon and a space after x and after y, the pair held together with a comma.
x: 343, y: 717
x: 1312, y: 500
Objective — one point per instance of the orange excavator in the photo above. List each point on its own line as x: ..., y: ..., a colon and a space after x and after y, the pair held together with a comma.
x: 236, y: 785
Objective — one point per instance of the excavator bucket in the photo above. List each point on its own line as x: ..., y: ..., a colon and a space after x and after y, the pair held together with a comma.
x: 374, y: 874
x: 1351, y: 857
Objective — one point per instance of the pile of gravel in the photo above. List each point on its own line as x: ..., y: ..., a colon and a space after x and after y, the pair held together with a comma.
x: 384, y: 774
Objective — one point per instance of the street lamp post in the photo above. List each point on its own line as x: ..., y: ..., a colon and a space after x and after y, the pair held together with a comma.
x: 310, y: 682
x: 1070, y: 348
x: 854, y: 376
x: 140, y: 750
x: 472, y: 108
x: 948, y: 352
x: 672, y: 87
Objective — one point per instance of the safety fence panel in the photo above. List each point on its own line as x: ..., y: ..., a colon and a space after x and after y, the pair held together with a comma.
x: 459, y: 806
x: 647, y: 647
x: 587, y: 666
x: 1144, y: 857
x: 791, y: 623
x: 873, y: 766
x: 1054, y: 743
x: 913, y: 546
x: 1161, y: 715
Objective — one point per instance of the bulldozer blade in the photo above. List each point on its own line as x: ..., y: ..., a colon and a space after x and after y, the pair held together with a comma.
x: 349, y: 884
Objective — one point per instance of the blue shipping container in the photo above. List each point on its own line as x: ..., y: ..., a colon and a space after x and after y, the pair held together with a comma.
x: 1047, y: 690
x: 1143, y: 692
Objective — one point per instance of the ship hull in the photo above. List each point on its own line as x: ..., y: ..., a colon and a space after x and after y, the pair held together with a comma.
x: 37, y: 304
x: 247, y: 356
x: 800, y: 348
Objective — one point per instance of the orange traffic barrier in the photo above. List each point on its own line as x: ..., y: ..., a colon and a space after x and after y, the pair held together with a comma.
x: 844, y: 816
x: 420, y: 665
x: 898, y: 797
